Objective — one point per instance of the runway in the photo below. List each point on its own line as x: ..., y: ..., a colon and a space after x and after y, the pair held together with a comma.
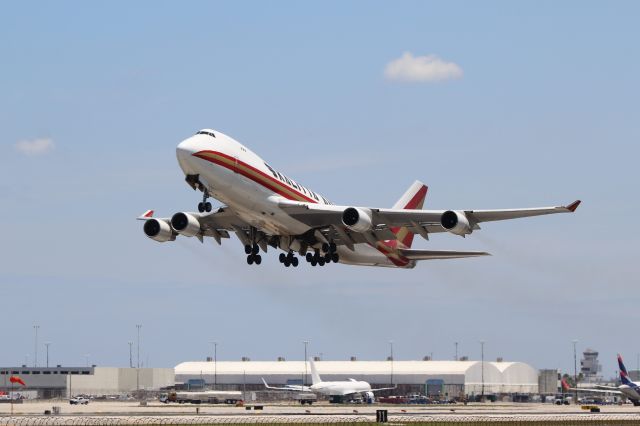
x: 132, y: 413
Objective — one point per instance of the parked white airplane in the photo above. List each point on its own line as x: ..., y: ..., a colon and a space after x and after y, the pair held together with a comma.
x: 266, y: 208
x: 628, y: 388
x: 333, y: 389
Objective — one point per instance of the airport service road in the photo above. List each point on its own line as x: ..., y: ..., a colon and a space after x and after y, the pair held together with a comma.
x: 127, y: 413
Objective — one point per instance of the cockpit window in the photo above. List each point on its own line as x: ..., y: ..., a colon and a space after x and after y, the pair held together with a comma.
x: 206, y: 132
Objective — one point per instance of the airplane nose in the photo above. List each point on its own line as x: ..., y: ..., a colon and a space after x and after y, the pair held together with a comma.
x: 184, y: 152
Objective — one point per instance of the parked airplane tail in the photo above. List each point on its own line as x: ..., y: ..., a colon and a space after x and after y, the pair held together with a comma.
x: 565, y: 385
x: 315, y: 377
x: 413, y: 198
x: 624, y: 376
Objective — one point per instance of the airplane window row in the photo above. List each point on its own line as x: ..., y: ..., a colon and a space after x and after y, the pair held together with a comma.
x: 295, y: 185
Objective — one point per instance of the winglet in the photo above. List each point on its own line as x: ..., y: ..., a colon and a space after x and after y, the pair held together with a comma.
x: 573, y: 206
x: 146, y: 215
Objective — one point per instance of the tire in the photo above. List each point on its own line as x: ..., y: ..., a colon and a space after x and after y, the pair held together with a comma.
x: 250, y: 260
x: 313, y: 262
x: 335, y: 257
x: 258, y: 259
x: 325, y: 247
x: 321, y: 261
x: 287, y: 263
x: 333, y: 247
x: 309, y: 256
x: 201, y: 207
x: 207, y: 206
x: 247, y: 249
x: 327, y: 258
x: 294, y: 262
x: 282, y: 257
x: 256, y: 249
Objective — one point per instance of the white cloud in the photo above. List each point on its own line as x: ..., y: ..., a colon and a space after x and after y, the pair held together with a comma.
x: 34, y: 147
x: 421, y: 68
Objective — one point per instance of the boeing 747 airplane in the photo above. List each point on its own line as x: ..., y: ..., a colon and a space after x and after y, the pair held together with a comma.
x: 264, y: 207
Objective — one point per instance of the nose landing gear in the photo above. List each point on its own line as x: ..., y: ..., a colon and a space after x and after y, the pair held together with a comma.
x: 204, y: 206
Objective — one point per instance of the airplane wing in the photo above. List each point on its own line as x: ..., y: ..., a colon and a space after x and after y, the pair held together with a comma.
x: 610, y: 391
x: 373, y: 224
x: 292, y: 388
x: 381, y: 389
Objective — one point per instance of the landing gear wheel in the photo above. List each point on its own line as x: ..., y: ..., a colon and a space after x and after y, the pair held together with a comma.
x: 321, y: 261
x: 207, y: 206
x: 333, y: 247
x: 247, y: 249
x: 335, y: 257
x: 309, y: 257
x: 282, y: 257
x: 294, y: 262
x: 201, y: 207
x: 256, y: 249
x: 327, y: 258
x: 325, y: 247
x: 287, y: 263
x: 250, y: 260
x: 258, y: 259
x: 313, y: 262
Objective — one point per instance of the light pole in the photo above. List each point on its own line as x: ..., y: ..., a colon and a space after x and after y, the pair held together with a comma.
x: 456, y: 358
x: 138, y: 326
x: 304, y: 380
x: 215, y: 364
x: 482, y: 364
x: 391, y: 359
x: 130, y: 354
x: 46, y: 345
x: 35, y: 358
x: 575, y: 371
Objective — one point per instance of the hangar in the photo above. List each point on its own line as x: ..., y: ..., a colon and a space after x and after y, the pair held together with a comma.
x: 450, y: 378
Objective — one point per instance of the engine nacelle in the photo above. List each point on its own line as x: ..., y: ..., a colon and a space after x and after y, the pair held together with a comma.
x: 158, y: 230
x: 455, y: 222
x: 185, y: 224
x: 356, y: 219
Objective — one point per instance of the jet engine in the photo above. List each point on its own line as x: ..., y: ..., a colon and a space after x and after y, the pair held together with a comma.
x: 158, y: 230
x: 356, y: 219
x: 455, y: 222
x: 185, y: 224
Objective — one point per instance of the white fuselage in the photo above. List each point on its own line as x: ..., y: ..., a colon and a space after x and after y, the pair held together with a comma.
x: 629, y: 392
x: 341, y: 388
x: 252, y: 189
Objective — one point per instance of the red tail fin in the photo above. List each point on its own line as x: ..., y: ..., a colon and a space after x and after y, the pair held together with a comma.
x: 413, y: 198
x: 565, y: 385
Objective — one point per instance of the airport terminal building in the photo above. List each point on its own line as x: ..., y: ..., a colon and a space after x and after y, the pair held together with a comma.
x: 61, y: 382
x: 435, y: 378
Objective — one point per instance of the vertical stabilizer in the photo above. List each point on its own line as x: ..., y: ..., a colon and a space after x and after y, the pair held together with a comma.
x: 315, y: 377
x: 412, y: 199
x: 624, y: 376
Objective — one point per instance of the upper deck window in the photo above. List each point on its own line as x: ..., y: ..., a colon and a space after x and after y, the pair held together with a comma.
x: 206, y: 132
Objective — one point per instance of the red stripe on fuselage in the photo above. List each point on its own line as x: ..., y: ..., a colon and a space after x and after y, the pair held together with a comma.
x: 270, y: 183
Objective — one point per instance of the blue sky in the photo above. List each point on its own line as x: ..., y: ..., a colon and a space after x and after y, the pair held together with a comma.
x: 545, y: 111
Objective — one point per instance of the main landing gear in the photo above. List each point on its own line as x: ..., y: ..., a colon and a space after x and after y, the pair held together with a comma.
x: 288, y: 259
x: 204, y: 206
x: 253, y: 256
x: 330, y: 255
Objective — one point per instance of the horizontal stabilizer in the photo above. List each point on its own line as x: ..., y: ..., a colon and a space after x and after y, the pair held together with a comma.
x: 439, y: 254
